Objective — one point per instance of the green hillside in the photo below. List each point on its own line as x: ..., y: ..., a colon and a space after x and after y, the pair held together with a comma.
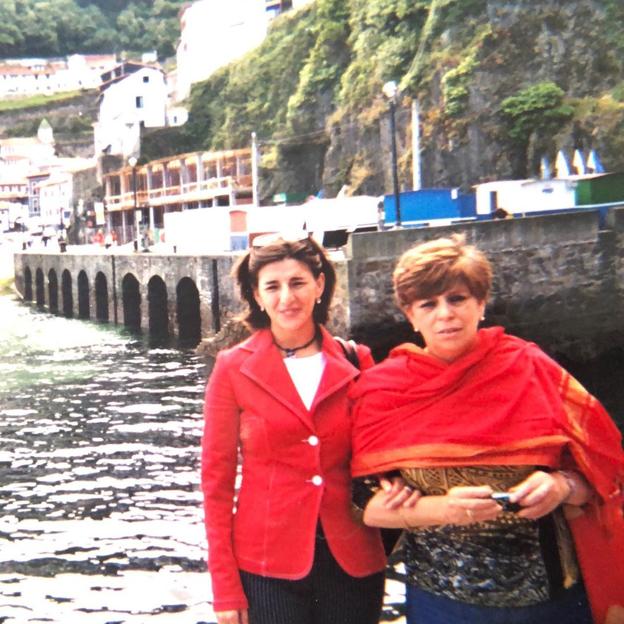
x: 59, y: 27
x: 500, y: 83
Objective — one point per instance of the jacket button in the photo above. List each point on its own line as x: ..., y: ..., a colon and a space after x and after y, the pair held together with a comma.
x: 317, y: 480
x: 313, y: 440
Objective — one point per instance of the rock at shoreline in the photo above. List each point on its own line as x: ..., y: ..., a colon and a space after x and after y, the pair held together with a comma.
x: 231, y: 333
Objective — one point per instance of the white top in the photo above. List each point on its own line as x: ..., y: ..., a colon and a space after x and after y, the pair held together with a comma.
x: 306, y: 373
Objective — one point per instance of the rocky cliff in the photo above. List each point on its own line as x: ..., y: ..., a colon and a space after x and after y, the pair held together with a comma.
x: 467, y: 64
x: 500, y: 83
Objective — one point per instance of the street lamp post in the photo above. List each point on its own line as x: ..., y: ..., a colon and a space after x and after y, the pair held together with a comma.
x: 132, y: 161
x: 390, y: 90
x: 61, y: 235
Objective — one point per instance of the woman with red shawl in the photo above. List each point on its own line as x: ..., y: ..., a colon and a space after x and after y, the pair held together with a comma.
x: 479, y: 413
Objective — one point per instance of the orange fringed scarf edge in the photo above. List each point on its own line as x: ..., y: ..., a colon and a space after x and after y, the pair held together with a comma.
x: 598, y: 529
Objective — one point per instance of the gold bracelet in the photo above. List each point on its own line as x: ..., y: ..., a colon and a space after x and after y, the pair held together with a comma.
x: 567, y: 476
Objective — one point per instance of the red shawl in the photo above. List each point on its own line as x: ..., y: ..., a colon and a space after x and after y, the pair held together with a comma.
x: 504, y: 402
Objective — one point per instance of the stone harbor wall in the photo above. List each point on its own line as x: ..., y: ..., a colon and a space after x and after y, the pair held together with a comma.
x: 558, y: 280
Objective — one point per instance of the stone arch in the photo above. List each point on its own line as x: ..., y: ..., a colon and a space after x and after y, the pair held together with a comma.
x: 68, y: 297
x: 84, y: 308
x: 53, y: 305
x: 188, y: 311
x: 158, y: 313
x: 101, y: 297
x: 28, y: 291
x: 39, y: 289
x: 131, y: 299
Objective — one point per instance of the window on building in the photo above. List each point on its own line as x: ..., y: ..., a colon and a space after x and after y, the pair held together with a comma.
x: 115, y: 186
x: 139, y: 101
x: 145, y: 78
x: 191, y: 172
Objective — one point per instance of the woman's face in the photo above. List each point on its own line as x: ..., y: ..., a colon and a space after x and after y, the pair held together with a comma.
x: 448, y: 322
x: 288, y: 291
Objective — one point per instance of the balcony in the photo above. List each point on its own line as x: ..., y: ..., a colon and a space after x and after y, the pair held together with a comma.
x: 174, y: 181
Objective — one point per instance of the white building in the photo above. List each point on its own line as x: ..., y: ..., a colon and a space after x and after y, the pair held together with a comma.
x: 132, y: 96
x: 19, y: 154
x: 13, y: 202
x: 32, y: 76
x: 16, y: 80
x: 213, y: 34
x: 224, y: 228
x: 525, y: 196
x: 52, y: 190
x: 55, y: 195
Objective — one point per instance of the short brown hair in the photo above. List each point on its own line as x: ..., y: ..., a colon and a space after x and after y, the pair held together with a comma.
x: 431, y: 268
x: 307, y: 251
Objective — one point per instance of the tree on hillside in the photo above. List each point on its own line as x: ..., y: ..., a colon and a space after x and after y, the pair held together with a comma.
x: 60, y: 27
x: 106, y: 6
x: 146, y: 26
x: 532, y: 117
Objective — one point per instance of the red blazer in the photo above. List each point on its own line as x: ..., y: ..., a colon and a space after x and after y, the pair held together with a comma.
x: 295, y: 469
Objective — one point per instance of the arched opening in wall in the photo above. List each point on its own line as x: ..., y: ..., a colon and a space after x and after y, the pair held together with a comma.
x: 131, y: 299
x: 53, y: 292
x: 187, y: 312
x: 28, y: 295
x: 157, y: 308
x: 101, y: 297
x: 84, y: 311
x: 68, y: 297
x: 39, y: 289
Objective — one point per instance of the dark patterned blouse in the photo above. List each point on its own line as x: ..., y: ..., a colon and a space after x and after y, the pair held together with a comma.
x: 508, y: 562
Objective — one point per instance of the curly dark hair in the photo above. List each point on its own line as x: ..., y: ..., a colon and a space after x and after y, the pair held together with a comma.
x: 307, y: 251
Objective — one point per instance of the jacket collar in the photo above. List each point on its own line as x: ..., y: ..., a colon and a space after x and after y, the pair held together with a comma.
x: 265, y: 366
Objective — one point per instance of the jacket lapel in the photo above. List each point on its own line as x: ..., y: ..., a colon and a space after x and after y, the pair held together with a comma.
x: 266, y: 368
x: 338, y: 370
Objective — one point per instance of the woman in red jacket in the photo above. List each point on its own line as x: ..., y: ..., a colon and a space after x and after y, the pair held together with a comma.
x: 285, y: 548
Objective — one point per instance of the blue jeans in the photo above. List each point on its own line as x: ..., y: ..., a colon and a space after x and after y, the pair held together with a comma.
x: 427, y: 608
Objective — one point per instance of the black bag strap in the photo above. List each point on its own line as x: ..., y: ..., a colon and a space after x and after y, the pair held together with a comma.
x: 350, y: 350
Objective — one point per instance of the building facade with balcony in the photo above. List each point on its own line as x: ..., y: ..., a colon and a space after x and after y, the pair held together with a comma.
x: 137, y: 199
